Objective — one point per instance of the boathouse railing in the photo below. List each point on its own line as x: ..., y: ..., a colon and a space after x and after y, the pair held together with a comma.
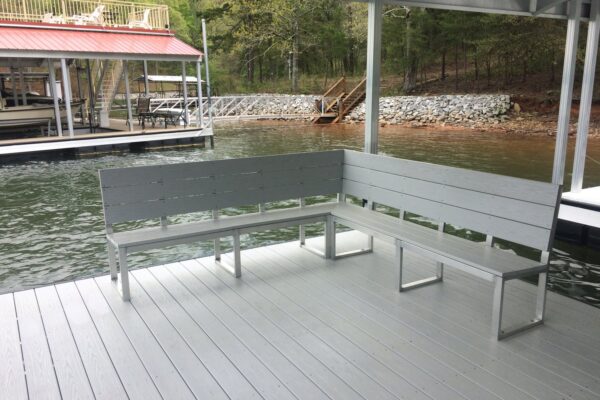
x: 108, y: 13
x: 240, y: 107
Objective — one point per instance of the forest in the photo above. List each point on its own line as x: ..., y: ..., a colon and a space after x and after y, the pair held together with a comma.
x: 302, y: 46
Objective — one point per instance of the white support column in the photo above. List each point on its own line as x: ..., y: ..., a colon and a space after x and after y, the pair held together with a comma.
x: 185, y: 94
x: 566, y: 92
x: 22, y: 85
x: 200, y: 108
x: 13, y: 81
x: 205, y: 43
x: 127, y: 95
x: 52, y: 76
x: 373, y: 75
x: 67, y: 94
x: 146, y: 83
x: 587, y: 93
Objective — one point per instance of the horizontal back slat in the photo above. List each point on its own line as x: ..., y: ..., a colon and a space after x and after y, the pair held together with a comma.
x: 469, y: 199
x: 505, y: 186
x: 154, y: 191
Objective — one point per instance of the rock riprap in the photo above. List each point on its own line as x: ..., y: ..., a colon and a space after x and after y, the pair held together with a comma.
x: 438, y: 109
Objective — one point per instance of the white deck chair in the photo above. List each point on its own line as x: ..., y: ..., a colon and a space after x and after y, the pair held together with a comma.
x: 95, y: 18
x: 50, y: 18
x: 143, y: 23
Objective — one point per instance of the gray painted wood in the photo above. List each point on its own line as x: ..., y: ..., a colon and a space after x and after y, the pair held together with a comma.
x: 224, y: 371
x: 360, y: 381
x: 98, y: 364
x: 158, y: 363
x: 190, y: 367
x: 505, y: 186
x: 72, y: 376
x: 327, y: 381
x: 434, y: 340
x: 155, y: 191
x: 41, y: 377
x: 12, y: 373
x: 130, y: 371
x: 260, y: 377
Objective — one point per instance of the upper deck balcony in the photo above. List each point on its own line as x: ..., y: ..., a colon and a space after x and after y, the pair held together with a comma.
x: 79, y: 13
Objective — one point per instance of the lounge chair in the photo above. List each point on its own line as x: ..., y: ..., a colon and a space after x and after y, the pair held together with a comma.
x: 140, y: 23
x: 95, y: 18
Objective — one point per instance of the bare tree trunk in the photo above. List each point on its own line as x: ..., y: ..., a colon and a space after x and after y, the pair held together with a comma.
x: 410, y: 75
x: 443, y: 78
x: 295, y: 45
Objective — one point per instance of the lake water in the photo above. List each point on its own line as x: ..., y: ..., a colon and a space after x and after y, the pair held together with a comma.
x: 51, y: 226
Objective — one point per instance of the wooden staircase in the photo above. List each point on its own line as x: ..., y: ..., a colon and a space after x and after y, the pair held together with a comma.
x: 337, y: 102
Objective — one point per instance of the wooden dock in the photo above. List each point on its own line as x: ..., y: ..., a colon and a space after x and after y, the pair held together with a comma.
x: 102, y: 141
x: 295, y: 326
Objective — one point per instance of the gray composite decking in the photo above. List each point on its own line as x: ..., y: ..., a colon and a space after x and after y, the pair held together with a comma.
x: 294, y: 326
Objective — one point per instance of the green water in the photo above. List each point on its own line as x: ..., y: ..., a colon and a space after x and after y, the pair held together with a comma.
x: 51, y: 226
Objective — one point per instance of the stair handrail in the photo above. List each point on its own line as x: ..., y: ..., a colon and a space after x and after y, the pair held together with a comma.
x: 356, y: 88
x: 341, y: 81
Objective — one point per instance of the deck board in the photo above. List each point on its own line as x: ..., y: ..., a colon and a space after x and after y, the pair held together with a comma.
x: 294, y: 326
x: 12, y: 376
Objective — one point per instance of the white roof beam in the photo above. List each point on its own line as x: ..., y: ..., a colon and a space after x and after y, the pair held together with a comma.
x: 541, y: 8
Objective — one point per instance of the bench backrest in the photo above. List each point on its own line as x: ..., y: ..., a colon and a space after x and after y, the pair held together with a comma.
x: 150, y: 192
x: 518, y: 210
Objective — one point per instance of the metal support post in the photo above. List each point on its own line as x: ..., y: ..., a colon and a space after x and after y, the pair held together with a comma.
x: 375, y: 19
x: 185, y: 94
x: 199, y: 106
x: 127, y: 95
x: 52, y: 76
x: 146, y: 83
x: 566, y: 92
x: 67, y: 94
x: 587, y: 93
x: 208, y: 98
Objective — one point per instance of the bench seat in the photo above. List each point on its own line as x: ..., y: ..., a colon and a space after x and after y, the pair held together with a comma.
x: 481, y: 260
x: 151, y: 238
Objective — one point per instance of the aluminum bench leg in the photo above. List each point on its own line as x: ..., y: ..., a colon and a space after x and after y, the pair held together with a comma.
x: 217, y: 246
x: 124, y: 275
x: 499, y: 284
x: 112, y: 261
x: 439, y: 276
x: 365, y: 250
x: 237, y: 256
x: 236, y: 268
x: 329, y: 238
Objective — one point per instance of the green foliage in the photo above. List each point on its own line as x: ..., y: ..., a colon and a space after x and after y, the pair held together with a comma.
x: 300, y: 45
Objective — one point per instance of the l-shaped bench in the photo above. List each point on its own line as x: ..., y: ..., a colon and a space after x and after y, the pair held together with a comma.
x: 516, y: 210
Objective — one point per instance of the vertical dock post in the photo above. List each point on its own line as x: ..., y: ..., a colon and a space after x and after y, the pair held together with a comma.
x: 375, y: 21
x: 185, y: 94
x: 22, y: 85
x: 52, y: 76
x: 127, y: 95
x: 146, y: 83
x: 205, y: 44
x: 566, y: 92
x: 199, y: 106
x: 67, y: 94
x: 587, y: 93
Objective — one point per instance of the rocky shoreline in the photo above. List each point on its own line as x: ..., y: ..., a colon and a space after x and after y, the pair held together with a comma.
x: 451, y: 109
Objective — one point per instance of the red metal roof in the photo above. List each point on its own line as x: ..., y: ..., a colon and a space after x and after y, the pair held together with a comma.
x: 44, y: 41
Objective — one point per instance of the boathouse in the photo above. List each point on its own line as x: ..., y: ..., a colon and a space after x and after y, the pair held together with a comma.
x: 81, y: 53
